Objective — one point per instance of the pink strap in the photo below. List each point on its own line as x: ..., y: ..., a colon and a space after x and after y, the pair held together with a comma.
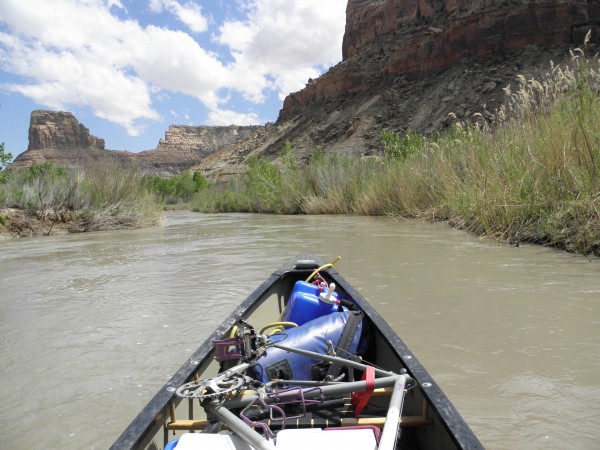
x: 360, y: 399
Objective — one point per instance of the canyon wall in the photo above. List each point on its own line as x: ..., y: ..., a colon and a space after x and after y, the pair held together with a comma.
x: 391, y: 38
x: 414, y: 64
x: 58, y: 137
x: 49, y: 129
x: 407, y: 65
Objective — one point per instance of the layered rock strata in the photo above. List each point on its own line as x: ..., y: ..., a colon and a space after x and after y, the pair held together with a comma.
x: 58, y: 137
x: 392, y: 38
x: 408, y: 64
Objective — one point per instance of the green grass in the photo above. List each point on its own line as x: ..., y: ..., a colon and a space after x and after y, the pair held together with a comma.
x: 532, y: 176
x: 101, y: 196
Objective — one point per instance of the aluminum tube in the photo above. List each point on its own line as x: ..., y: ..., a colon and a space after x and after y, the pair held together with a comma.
x: 389, y: 435
x: 240, y: 428
x: 334, y: 359
x: 329, y: 389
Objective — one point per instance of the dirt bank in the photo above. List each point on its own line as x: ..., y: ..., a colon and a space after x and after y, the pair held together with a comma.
x: 24, y: 223
x: 27, y: 223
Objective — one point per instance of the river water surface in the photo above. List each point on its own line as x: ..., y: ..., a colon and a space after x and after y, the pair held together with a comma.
x: 92, y: 325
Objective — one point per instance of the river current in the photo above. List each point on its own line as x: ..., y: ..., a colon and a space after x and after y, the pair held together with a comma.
x: 92, y: 325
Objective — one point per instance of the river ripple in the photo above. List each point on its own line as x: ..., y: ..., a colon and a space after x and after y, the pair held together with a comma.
x: 92, y: 325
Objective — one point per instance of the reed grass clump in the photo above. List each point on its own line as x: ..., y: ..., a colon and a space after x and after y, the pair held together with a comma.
x: 100, y: 196
x: 533, y: 175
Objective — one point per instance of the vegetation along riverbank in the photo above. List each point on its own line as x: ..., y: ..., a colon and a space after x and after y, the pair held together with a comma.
x: 531, y: 175
x: 44, y: 199
x: 528, y: 173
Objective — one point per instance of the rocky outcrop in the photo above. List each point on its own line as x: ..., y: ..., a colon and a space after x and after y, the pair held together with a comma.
x: 59, y: 138
x: 203, y: 140
x: 407, y: 64
x: 48, y: 129
x: 392, y: 38
x: 183, y: 146
x: 448, y: 29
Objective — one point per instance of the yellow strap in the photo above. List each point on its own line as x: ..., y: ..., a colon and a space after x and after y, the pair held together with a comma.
x: 279, y: 326
x: 326, y: 266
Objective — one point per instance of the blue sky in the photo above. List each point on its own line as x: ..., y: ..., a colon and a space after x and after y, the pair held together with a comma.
x: 127, y: 69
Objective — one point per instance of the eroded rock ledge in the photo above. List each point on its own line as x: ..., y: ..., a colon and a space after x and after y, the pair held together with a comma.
x: 59, y: 138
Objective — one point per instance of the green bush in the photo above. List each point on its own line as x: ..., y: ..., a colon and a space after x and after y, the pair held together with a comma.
x: 534, y: 175
x: 402, y: 147
x: 179, y: 188
x: 103, y: 195
x: 5, y: 157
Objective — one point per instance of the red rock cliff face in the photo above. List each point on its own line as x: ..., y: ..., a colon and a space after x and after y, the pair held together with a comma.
x: 388, y: 38
x: 57, y: 137
x: 498, y: 24
x: 49, y: 129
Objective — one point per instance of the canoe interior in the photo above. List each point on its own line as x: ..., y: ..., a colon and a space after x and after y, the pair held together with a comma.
x: 429, y: 420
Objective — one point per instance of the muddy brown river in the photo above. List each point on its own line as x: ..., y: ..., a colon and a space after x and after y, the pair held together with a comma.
x: 92, y: 325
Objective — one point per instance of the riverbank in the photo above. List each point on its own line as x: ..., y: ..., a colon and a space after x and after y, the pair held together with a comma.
x: 16, y: 223
x: 45, y: 200
x: 528, y: 173
x: 20, y: 223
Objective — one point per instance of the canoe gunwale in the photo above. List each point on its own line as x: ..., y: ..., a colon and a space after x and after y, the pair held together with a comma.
x: 137, y: 430
x: 455, y: 425
x: 155, y: 412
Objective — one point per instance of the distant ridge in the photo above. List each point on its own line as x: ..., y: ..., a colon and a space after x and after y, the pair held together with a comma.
x: 407, y: 64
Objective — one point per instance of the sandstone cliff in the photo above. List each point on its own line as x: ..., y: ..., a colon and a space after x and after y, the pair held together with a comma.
x: 408, y: 63
x: 388, y: 39
x: 59, y: 130
x: 183, y: 146
x: 59, y: 138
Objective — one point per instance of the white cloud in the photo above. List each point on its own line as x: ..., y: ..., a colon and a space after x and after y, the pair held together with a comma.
x: 190, y: 13
x: 111, y: 3
x: 77, y: 52
x: 228, y: 117
x: 284, y: 40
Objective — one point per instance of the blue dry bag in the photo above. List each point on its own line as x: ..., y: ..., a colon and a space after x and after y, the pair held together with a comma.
x: 343, y: 329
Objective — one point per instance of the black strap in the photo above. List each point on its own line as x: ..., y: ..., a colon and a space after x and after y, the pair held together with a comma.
x: 354, y: 320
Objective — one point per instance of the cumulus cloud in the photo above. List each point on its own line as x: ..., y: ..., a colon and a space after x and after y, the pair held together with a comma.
x: 228, y: 117
x: 80, y: 52
x: 188, y: 13
x: 286, y: 41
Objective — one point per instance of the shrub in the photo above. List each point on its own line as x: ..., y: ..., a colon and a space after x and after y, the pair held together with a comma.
x: 179, y: 188
x: 103, y: 195
x: 401, y: 147
x: 5, y: 157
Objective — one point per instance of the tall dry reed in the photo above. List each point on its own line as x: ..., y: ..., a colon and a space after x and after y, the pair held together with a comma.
x: 532, y: 175
x: 103, y: 195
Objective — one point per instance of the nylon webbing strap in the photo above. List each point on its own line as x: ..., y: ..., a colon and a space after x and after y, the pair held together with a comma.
x: 343, y: 347
x: 360, y: 399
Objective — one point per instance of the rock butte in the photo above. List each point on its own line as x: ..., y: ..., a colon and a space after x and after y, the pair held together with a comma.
x: 406, y: 65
